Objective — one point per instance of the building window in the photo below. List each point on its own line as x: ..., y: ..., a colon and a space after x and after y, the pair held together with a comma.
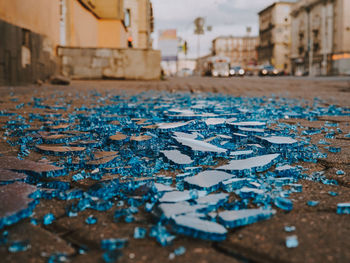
x: 301, y: 36
x: 301, y: 50
x: 127, y: 18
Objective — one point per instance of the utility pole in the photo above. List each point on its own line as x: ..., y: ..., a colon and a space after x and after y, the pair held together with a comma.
x: 310, y: 40
x: 324, y: 39
x: 199, y: 30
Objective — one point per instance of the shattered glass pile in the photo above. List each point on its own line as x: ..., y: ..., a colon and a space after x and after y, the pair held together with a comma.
x: 199, y: 164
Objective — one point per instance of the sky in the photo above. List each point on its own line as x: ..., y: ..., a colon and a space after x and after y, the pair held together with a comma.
x: 227, y: 17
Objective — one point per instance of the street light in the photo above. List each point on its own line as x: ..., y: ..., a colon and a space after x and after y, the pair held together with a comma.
x: 199, y: 30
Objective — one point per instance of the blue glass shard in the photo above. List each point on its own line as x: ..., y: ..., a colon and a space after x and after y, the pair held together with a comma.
x: 4, y: 238
x: 279, y: 140
x: 58, y: 258
x: 253, y: 164
x: 193, y: 170
x: 186, y: 135
x: 298, y: 188
x: 91, y: 220
x: 129, y: 218
x: 101, y: 162
x: 19, y: 203
x: 117, y: 138
x: 8, y: 176
x: 233, y: 219
x: 60, y: 150
x: 19, y: 246
x: 33, y: 168
x: 177, y: 157
x: 340, y: 172
x: 208, y: 180
x: 312, y: 203
x: 289, y: 228
x: 283, y: 203
x: 113, y: 243
x: 323, y: 142
x: 282, y: 181
x: 343, y: 208
x: 112, y: 256
x: 287, y: 170
x: 162, y: 179
x: 248, y: 192
x: 253, y: 124
x: 234, y: 184
x: 332, y: 193
x: 159, y: 188
x: 199, y: 146
x: 213, y: 201
x: 172, y: 126
x: 180, y: 251
x: 181, y: 177
x: 251, y: 131
x: 48, y: 219
x: 192, y: 226
x: 241, y: 154
x: 140, y: 233
x: 334, y: 149
x: 178, y: 196
x: 161, y: 234
x: 169, y: 210
x: 292, y: 242
x: 149, y: 207
x: 215, y: 121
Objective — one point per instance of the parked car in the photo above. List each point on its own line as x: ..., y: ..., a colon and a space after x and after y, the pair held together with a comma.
x: 220, y: 67
x: 237, y: 71
x: 268, y: 70
x: 185, y: 72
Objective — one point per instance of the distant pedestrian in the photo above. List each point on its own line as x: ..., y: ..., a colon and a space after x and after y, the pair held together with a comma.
x: 130, y: 42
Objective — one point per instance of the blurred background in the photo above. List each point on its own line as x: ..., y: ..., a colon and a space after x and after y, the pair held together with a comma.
x: 144, y: 39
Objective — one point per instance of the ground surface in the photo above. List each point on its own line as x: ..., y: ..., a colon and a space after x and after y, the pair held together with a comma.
x: 323, y: 235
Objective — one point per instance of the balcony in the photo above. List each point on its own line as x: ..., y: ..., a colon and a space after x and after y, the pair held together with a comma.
x: 105, y: 9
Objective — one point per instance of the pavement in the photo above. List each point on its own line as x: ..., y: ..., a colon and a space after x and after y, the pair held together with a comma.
x: 323, y: 235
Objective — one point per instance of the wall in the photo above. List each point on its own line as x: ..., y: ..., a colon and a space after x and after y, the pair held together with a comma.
x: 282, y: 36
x: 133, y: 30
x: 29, y: 33
x: 94, y: 63
x: 342, y: 26
x: 25, y: 56
x: 84, y: 29
x: 40, y: 16
x: 111, y: 34
x: 82, y: 26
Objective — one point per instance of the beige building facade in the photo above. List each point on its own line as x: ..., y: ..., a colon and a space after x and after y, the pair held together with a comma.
x: 321, y: 37
x: 240, y: 50
x: 32, y: 31
x: 275, y: 36
x: 139, y: 21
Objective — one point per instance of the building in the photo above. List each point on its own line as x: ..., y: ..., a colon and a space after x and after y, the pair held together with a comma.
x: 321, y: 37
x: 275, y: 35
x: 168, y: 44
x: 87, y: 23
x: 139, y: 21
x: 240, y: 50
x: 76, y: 38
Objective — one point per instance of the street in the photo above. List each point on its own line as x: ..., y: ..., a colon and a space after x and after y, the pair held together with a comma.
x: 323, y: 235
